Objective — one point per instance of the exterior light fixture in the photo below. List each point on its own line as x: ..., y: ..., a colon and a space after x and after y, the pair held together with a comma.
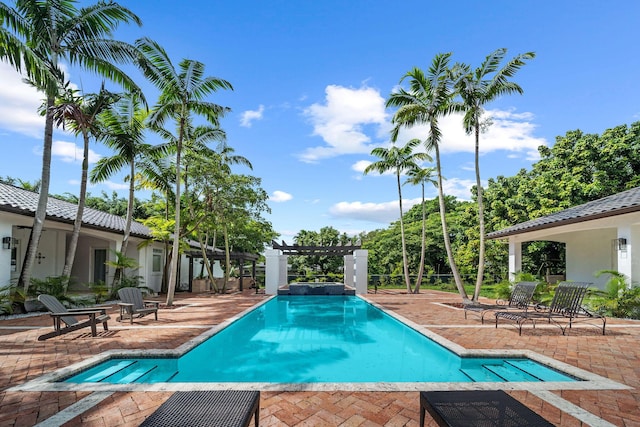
x: 622, y: 244
x: 6, y: 242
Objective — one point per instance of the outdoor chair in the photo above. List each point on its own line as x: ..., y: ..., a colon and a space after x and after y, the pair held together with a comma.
x: 565, y: 310
x: 219, y: 408
x: 481, y: 408
x: 132, y: 305
x: 520, y: 298
x: 67, y: 316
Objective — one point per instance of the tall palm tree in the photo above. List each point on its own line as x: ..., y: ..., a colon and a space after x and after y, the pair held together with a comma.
x: 40, y: 34
x: 427, y: 99
x: 399, y: 160
x: 80, y: 113
x: 123, y: 130
x: 182, y: 95
x: 158, y: 174
x: 421, y: 176
x: 477, y: 88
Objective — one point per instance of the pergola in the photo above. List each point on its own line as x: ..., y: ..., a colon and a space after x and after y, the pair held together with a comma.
x: 317, y: 250
x: 355, y: 263
x: 218, y: 255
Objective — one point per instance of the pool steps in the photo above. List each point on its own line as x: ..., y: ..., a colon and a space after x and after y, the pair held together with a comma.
x: 127, y: 372
x: 147, y: 371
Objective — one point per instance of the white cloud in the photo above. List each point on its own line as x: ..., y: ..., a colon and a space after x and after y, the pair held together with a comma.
x: 71, y: 153
x: 383, y: 213
x: 509, y: 131
x: 387, y: 212
x: 460, y: 188
x: 280, y: 196
x: 287, y: 235
x: 116, y: 185
x: 19, y: 104
x: 247, y: 118
x: 360, y: 165
x: 342, y: 119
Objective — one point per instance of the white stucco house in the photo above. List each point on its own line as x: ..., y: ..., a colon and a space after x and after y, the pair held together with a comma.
x: 101, y: 233
x: 598, y: 235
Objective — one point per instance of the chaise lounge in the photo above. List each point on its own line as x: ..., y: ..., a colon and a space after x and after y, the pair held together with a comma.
x: 520, y: 298
x: 218, y: 408
x: 565, y: 310
x: 62, y: 314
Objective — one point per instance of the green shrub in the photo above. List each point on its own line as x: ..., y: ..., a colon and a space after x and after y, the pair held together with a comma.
x: 53, y: 285
x: 10, y: 295
x: 618, y: 299
x: 503, y: 290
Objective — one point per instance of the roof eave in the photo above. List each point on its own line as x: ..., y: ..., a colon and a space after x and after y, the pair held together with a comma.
x: 600, y: 215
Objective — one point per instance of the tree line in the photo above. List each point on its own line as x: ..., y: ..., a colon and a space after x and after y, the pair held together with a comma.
x: 580, y: 167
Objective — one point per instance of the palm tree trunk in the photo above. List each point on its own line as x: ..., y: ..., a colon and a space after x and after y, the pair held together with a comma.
x: 445, y: 231
x: 405, y: 261
x: 481, y: 250
x: 416, y: 290
x: 214, y: 241
x: 175, y: 253
x: 77, y: 224
x: 128, y: 221
x: 227, y: 259
x: 41, y: 210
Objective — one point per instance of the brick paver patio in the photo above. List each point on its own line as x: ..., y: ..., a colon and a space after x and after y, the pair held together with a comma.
x: 615, y: 356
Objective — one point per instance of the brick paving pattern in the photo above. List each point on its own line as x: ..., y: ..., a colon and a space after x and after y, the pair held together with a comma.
x: 23, y: 358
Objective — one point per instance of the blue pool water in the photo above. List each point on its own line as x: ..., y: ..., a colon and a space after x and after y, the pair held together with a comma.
x: 318, y: 339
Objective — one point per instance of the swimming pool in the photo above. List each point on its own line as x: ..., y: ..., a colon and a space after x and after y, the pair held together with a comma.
x: 318, y: 339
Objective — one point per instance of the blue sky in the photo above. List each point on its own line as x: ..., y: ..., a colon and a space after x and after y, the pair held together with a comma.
x: 311, y: 78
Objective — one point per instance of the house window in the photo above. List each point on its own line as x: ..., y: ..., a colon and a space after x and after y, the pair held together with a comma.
x: 156, y: 263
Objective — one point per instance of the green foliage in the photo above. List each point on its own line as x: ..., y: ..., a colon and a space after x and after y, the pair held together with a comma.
x: 127, y: 278
x: 10, y: 295
x: 385, y: 255
x: 53, y: 285
x: 618, y: 299
x: 100, y: 291
x: 321, y: 265
x: 503, y: 290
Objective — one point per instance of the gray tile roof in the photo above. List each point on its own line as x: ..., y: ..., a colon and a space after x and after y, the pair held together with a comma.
x: 616, y: 204
x: 24, y: 202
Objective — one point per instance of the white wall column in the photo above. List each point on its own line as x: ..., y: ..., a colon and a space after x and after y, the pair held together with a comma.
x: 5, y: 254
x: 624, y: 250
x: 515, y: 257
x: 362, y: 270
x: 283, y: 263
x: 349, y: 270
x: 272, y: 271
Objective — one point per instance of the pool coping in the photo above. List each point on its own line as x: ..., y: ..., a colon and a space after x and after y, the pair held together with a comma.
x: 587, y: 380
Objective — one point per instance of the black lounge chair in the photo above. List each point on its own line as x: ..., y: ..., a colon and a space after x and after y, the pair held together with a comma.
x: 520, y: 298
x: 62, y: 314
x: 219, y: 408
x: 132, y: 305
x: 477, y: 408
x: 565, y: 310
